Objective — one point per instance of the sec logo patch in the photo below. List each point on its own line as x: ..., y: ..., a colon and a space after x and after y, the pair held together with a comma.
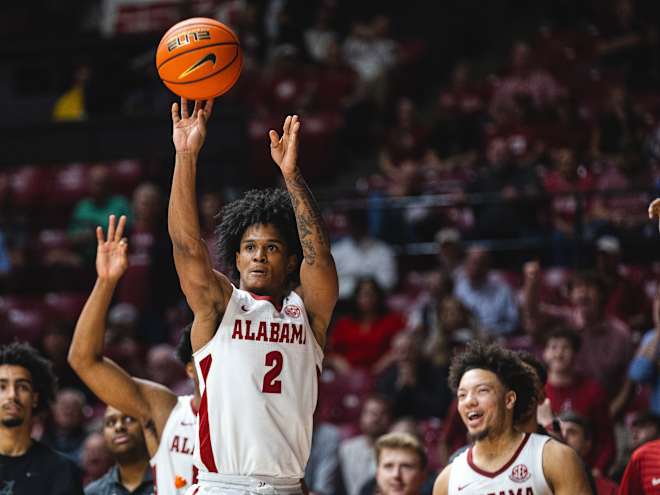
x: 292, y: 311
x: 519, y: 473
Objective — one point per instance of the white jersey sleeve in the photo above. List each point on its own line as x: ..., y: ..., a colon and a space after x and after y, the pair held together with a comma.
x: 522, y: 474
x: 258, y: 378
x: 172, y: 464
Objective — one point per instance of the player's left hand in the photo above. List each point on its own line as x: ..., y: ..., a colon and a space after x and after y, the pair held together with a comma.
x: 111, y: 252
x: 284, y: 150
x: 189, y: 131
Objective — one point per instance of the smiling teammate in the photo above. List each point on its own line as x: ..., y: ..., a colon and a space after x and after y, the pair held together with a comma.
x: 258, y: 346
x: 494, y: 389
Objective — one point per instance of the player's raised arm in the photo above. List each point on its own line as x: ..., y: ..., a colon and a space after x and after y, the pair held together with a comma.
x: 148, y: 401
x: 563, y: 470
x: 318, y: 275
x: 206, y: 290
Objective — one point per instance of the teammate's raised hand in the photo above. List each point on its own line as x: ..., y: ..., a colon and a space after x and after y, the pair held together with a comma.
x: 284, y: 150
x: 111, y: 257
x: 654, y: 210
x: 189, y: 131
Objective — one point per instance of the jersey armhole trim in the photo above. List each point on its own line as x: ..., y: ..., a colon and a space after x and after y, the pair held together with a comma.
x: 202, y: 350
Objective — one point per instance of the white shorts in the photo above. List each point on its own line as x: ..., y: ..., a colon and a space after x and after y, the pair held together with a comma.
x: 225, y: 484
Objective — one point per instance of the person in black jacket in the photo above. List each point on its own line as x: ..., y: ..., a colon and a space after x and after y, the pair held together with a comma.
x: 27, y: 467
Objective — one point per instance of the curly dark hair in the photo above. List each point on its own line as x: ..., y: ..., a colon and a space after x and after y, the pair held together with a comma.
x: 257, y: 206
x: 44, y: 381
x: 184, y: 348
x: 508, y: 367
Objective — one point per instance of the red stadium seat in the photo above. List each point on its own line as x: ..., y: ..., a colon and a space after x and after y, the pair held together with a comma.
x: 70, y: 184
x: 28, y: 183
x: 126, y: 175
x: 340, y: 397
x: 26, y: 317
x: 50, y: 239
x: 65, y: 305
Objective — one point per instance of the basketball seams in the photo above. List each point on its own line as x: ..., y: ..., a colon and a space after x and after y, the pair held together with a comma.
x: 208, y: 75
x: 221, y: 43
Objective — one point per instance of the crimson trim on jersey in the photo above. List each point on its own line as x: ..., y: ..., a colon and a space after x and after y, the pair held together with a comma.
x: 489, y: 474
x: 278, y: 307
x: 205, y: 447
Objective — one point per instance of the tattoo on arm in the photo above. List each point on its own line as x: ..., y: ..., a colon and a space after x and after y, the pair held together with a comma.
x: 311, y: 228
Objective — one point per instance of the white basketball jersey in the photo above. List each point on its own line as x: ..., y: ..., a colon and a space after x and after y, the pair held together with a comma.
x: 522, y: 475
x: 172, y: 464
x: 258, y: 377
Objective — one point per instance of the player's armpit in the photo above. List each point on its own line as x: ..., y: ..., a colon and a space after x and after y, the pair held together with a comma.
x: 563, y: 469
x: 441, y: 485
x: 160, y: 399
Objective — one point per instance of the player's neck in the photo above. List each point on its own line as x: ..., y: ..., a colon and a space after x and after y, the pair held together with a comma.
x: 15, y: 441
x: 131, y: 474
x: 497, y: 445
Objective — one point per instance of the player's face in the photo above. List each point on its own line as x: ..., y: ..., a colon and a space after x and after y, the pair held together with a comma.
x: 559, y: 354
x: 399, y: 472
x: 122, y: 432
x: 263, y: 260
x: 483, y: 403
x: 17, y: 395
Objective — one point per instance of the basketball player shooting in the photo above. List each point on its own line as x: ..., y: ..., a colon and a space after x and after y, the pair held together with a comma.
x: 168, y: 421
x: 494, y: 390
x: 257, y: 346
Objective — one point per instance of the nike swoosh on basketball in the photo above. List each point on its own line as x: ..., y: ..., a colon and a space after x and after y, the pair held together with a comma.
x: 655, y: 481
x: 209, y: 57
x: 465, y: 486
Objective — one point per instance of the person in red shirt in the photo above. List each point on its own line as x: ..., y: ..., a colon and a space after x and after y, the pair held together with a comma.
x: 642, y: 475
x: 569, y: 391
x: 362, y: 339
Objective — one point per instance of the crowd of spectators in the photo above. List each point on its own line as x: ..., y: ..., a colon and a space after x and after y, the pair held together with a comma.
x: 558, y: 141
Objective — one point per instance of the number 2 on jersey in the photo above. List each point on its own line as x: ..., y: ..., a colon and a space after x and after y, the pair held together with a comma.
x: 271, y: 384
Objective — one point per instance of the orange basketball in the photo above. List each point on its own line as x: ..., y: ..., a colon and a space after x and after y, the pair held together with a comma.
x: 199, y: 58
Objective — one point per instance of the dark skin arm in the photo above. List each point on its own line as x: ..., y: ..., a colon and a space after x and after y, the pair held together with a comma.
x: 207, y: 291
x: 319, y: 286
x: 150, y: 402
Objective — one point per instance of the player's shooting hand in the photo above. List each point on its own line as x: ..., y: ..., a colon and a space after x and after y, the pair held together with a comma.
x: 284, y: 150
x: 654, y: 210
x: 111, y: 257
x: 189, y: 131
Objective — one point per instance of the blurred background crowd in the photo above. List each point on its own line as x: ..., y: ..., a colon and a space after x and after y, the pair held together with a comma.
x: 484, y: 169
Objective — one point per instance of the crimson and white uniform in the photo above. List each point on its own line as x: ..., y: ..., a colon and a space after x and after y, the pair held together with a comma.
x: 523, y: 474
x: 172, y: 464
x: 258, y: 377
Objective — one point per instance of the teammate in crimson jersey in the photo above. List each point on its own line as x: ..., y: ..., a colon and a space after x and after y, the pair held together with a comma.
x: 168, y: 421
x: 258, y: 345
x: 494, y: 389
